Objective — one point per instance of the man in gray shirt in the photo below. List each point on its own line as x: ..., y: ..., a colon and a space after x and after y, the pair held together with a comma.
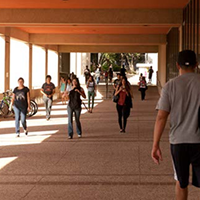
x: 181, y: 99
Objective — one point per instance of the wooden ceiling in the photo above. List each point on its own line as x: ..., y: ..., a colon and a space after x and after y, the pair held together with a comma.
x: 91, y: 4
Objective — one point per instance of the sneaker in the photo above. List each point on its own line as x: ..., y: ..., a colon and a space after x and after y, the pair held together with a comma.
x: 26, y: 133
x: 70, y: 137
x: 18, y: 135
x: 80, y: 136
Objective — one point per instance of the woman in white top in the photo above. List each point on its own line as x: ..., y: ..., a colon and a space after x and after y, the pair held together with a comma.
x: 97, y: 74
x: 68, y: 88
x: 91, y: 92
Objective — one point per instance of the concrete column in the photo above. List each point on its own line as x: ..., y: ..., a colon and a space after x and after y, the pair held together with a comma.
x: 46, y: 62
x: 58, y: 68
x: 180, y: 38
x: 7, y: 63
x: 162, y: 65
x: 85, y: 61
x: 79, y: 65
x: 30, y: 65
x: 73, y: 62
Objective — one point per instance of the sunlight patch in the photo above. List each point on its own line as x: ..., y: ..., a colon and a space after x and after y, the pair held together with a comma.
x: 33, y: 138
x: 6, y: 161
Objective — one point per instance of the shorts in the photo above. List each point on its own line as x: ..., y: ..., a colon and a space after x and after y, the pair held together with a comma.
x: 183, y: 156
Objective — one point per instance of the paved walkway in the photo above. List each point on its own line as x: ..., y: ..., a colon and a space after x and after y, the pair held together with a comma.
x: 103, y: 165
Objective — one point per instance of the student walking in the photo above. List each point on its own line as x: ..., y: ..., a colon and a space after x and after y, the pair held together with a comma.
x: 48, y: 90
x: 74, y: 106
x: 68, y: 89
x: 124, y: 103
x: 180, y: 99
x: 86, y: 74
x: 69, y: 85
x: 62, y: 89
x: 142, y: 88
x: 150, y: 74
x: 117, y: 81
x: 91, y: 86
x: 110, y: 73
x: 21, y: 102
x: 97, y: 75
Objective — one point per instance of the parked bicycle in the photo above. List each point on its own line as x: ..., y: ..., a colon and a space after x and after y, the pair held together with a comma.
x: 5, y: 104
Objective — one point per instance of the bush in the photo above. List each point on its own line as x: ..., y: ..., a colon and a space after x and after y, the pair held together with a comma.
x: 116, y: 68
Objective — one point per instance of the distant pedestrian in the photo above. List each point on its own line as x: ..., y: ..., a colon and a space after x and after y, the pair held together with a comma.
x: 180, y: 98
x: 69, y: 85
x: 68, y: 88
x: 48, y: 90
x: 91, y: 86
x: 62, y: 89
x: 124, y: 103
x: 151, y: 71
x: 142, y: 88
x: 97, y: 75
x: 123, y: 71
x: 74, y: 106
x: 72, y: 76
x: 86, y: 74
x: 140, y: 78
x: 110, y: 74
x: 21, y: 103
x: 117, y: 81
x: 106, y: 76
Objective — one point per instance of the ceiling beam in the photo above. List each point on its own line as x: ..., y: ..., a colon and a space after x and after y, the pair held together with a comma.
x: 171, y: 17
x: 107, y: 49
x: 15, y: 33
x: 59, y: 39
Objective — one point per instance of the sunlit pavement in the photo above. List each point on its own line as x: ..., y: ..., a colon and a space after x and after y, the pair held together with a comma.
x: 103, y: 165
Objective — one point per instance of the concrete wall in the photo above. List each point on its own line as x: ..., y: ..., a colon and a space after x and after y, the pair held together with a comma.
x: 78, y: 62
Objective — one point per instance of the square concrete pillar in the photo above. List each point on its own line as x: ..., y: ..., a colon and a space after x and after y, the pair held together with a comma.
x: 180, y: 38
x: 7, y: 63
x: 161, y: 65
x: 30, y: 65
x: 46, y: 62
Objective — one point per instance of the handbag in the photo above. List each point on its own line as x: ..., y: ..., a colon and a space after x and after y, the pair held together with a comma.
x: 115, y: 98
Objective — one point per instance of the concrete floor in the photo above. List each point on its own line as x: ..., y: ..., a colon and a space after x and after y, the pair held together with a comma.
x: 103, y: 165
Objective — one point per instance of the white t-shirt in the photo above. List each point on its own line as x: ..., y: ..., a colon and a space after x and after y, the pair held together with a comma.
x: 69, y: 87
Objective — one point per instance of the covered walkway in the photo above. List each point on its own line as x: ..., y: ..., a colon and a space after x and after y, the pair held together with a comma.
x: 103, y: 165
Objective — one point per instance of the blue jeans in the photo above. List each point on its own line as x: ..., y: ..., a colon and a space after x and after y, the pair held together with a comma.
x: 47, y: 104
x: 19, y: 115
x: 77, y: 113
x: 98, y: 80
x: 91, y: 94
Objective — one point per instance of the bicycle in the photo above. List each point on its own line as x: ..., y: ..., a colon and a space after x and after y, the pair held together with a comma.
x: 5, y: 103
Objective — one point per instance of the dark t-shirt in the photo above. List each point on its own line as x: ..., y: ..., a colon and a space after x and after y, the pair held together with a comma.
x: 117, y: 82
x: 123, y: 71
x: 48, y: 88
x: 75, y: 99
x: 21, y: 98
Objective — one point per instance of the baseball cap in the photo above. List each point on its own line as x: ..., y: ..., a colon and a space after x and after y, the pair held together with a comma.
x: 187, y: 58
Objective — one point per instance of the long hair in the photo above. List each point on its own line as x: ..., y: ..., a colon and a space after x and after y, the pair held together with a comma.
x: 127, y: 84
x: 68, y: 80
x: 78, y: 83
x: 92, y: 78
